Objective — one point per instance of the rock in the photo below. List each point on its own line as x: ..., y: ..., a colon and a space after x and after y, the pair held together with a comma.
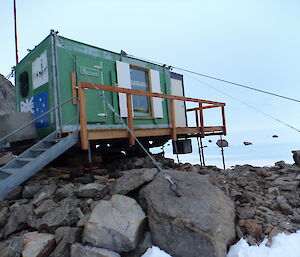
x: 263, y: 172
x: 38, y: 244
x: 281, y: 164
x: 30, y: 191
x: 141, y: 248
x: 273, y: 191
x: 64, y: 192
x: 45, y: 193
x: 17, y: 220
x: 6, y: 157
x: 116, y: 224
x: 66, y: 214
x: 247, y: 143
x: 296, y: 218
x: 245, y: 212
x: 222, y: 143
x: 132, y: 179
x: 287, y: 185
x: 68, y: 234
x: 7, y: 96
x: 83, y: 220
x: 78, y: 250
x: 3, y: 216
x: 296, y: 157
x: 45, y: 207
x: 252, y: 228
x: 286, y: 208
x: 92, y: 190
x: 15, y: 194
x: 85, y: 179
x: 100, y: 172
x: 61, y: 250
x: 12, y: 247
x: 199, y: 223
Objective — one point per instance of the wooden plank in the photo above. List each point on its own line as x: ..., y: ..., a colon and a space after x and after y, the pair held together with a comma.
x: 173, y: 122
x: 212, y: 106
x: 224, y: 121
x: 83, y: 122
x: 148, y: 132
x: 205, y: 107
x: 144, y: 93
x: 73, y: 84
x: 130, y: 118
x: 201, y: 120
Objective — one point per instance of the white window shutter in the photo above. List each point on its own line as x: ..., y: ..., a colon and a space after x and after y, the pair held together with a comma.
x: 157, y: 102
x: 123, y: 75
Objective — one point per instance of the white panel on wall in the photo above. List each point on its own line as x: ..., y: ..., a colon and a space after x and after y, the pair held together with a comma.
x: 123, y: 75
x: 40, y: 71
x: 180, y: 111
x: 157, y: 102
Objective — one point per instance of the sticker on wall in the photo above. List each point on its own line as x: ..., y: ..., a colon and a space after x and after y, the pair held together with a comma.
x: 40, y: 102
x: 94, y: 72
x: 40, y: 71
x: 27, y: 105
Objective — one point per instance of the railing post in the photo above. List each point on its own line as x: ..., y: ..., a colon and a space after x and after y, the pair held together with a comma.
x: 173, y: 123
x: 130, y: 118
x: 201, y: 120
x: 224, y: 120
x: 197, y: 118
x: 83, y: 123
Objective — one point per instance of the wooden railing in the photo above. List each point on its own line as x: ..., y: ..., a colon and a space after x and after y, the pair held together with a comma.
x: 129, y: 92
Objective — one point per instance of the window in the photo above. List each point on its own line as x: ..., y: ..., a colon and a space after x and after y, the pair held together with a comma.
x: 24, y: 84
x: 140, y: 81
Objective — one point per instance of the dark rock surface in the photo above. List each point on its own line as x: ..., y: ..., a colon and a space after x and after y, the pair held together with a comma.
x: 7, y: 96
x: 202, y: 217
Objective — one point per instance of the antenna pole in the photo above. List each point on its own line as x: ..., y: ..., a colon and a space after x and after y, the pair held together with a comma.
x: 16, y: 37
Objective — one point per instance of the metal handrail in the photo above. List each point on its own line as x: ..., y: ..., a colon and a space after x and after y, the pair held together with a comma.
x: 35, y: 119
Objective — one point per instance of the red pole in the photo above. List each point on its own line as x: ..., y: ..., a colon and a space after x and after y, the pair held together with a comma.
x: 16, y: 37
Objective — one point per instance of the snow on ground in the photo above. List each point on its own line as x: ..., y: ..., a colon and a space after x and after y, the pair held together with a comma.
x: 154, y: 251
x: 282, y: 246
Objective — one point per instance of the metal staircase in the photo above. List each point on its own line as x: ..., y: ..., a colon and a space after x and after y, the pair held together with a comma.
x: 32, y: 160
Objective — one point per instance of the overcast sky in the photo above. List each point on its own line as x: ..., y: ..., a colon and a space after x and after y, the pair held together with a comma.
x: 254, y: 42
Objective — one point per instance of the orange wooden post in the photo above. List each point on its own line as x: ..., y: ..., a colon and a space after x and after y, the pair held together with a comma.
x: 172, y: 105
x: 201, y: 120
x: 83, y: 123
x: 73, y: 84
x: 130, y: 118
x: 224, y: 120
x: 197, y: 117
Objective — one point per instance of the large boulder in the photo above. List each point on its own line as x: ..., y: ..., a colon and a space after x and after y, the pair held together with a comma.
x: 116, y: 224
x: 199, y: 223
x: 132, y: 179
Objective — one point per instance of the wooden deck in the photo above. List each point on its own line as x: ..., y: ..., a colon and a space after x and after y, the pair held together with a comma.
x: 152, y: 132
x: 173, y: 132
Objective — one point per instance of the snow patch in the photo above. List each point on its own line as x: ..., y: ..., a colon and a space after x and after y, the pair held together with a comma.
x: 154, y: 251
x: 282, y: 245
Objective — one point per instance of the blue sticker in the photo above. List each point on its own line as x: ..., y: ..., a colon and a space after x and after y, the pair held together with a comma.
x: 41, y: 106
